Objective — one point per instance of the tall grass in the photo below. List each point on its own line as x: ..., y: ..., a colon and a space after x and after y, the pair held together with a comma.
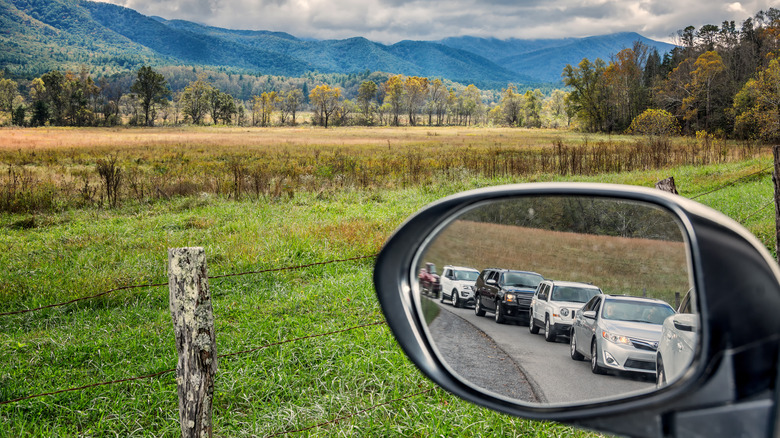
x: 59, y: 168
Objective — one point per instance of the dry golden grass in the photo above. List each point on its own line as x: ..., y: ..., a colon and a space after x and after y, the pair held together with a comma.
x: 47, y: 168
x: 617, y: 265
x: 232, y: 137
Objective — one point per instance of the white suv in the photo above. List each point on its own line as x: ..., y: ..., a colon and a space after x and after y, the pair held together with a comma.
x: 457, y: 285
x: 679, y: 337
x: 554, y: 305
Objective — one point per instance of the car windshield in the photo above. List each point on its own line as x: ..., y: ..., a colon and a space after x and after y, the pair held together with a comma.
x: 636, y: 311
x: 521, y: 279
x: 466, y: 275
x: 573, y: 294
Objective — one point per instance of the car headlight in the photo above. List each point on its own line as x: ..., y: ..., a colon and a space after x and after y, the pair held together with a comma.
x: 615, y: 339
x: 509, y: 297
x: 564, y: 312
x: 467, y: 288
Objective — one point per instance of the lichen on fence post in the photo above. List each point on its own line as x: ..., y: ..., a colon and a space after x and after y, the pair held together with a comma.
x: 193, y: 323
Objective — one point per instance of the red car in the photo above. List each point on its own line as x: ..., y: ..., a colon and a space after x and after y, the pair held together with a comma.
x: 430, y: 283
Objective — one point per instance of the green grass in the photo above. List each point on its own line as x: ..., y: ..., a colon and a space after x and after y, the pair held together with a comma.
x: 63, y: 255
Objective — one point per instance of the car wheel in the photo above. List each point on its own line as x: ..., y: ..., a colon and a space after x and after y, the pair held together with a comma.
x: 660, y: 375
x: 454, y: 298
x: 531, y: 325
x: 594, y: 361
x: 499, y: 313
x: 549, y: 336
x: 478, y: 309
x: 576, y: 355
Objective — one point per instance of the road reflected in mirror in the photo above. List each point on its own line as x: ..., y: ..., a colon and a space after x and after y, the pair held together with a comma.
x: 560, y: 300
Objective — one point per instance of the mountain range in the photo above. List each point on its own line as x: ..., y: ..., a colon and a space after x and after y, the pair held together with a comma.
x: 40, y: 35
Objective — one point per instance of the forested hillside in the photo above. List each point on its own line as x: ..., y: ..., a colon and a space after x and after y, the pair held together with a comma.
x: 37, y: 36
x: 722, y: 80
x: 544, y: 59
x: 43, y: 35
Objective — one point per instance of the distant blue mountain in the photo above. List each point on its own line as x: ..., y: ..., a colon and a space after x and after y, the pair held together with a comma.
x: 41, y: 35
x: 544, y: 59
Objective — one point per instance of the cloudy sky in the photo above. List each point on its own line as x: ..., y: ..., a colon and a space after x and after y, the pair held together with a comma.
x: 390, y: 21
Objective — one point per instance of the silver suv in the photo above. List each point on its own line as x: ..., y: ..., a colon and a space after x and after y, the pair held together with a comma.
x: 679, y: 337
x: 554, y: 305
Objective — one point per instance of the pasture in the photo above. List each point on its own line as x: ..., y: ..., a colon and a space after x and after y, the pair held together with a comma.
x: 320, y: 195
x: 48, y: 169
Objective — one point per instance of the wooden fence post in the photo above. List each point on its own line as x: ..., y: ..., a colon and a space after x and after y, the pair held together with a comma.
x: 193, y: 323
x: 667, y: 185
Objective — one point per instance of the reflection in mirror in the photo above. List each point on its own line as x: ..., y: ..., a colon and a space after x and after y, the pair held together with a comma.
x: 560, y: 300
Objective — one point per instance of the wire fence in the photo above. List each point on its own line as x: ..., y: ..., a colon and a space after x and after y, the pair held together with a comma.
x: 160, y: 373
x: 251, y: 350
x: 759, y: 210
x: 138, y: 286
x: 731, y: 183
x: 226, y: 355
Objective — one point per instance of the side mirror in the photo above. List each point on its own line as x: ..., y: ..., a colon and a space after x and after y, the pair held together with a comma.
x: 685, y: 322
x: 640, y: 246
x: 491, y: 282
x: 590, y: 314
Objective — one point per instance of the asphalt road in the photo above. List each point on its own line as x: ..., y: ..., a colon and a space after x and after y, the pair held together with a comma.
x: 547, y: 367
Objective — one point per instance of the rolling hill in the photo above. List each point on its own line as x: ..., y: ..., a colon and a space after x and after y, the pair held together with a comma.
x: 40, y: 35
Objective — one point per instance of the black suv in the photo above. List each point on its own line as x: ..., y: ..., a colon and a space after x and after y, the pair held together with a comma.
x: 505, y: 292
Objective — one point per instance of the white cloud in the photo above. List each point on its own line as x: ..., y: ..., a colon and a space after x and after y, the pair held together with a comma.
x: 389, y: 21
x: 735, y: 7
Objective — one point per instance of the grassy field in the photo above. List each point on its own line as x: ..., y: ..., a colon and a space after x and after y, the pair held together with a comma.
x: 51, y: 169
x: 58, y: 254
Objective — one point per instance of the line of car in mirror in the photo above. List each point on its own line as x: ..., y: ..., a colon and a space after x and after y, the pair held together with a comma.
x: 618, y: 334
x: 713, y: 374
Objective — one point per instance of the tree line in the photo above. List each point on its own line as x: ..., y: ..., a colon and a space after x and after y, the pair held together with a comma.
x: 61, y: 98
x: 719, y: 79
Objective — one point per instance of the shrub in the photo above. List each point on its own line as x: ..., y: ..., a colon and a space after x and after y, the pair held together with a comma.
x: 654, y: 122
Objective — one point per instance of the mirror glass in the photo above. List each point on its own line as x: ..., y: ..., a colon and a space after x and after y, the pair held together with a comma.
x: 560, y: 300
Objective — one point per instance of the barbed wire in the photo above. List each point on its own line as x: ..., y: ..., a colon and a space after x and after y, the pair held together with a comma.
x: 263, y: 271
x: 80, y: 388
x: 299, y: 339
x: 732, y: 182
x: 759, y: 210
x: 273, y: 344
x: 287, y: 268
x: 137, y: 286
x: 354, y: 414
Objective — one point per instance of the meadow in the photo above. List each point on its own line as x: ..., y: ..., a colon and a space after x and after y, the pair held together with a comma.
x: 58, y: 244
x: 49, y: 169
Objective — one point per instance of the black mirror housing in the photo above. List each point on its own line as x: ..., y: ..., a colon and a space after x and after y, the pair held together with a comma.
x: 731, y: 387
